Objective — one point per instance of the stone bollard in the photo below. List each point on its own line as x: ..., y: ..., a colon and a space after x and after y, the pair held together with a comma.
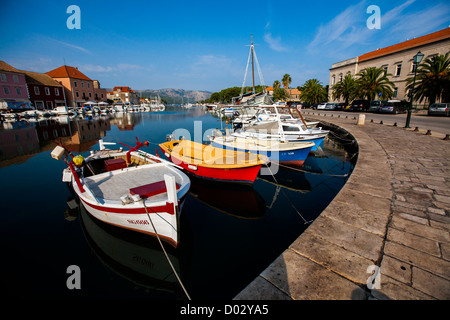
x: 428, y: 133
x: 361, y: 119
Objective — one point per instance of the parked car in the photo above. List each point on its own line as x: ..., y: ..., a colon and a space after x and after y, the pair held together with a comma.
x: 321, y: 106
x: 339, y: 106
x: 359, y: 105
x: 375, y: 105
x: 395, y: 106
x: 330, y: 106
x: 441, y: 109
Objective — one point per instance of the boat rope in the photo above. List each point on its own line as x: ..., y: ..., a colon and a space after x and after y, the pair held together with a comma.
x: 312, y: 172
x: 165, y: 253
x: 289, y: 200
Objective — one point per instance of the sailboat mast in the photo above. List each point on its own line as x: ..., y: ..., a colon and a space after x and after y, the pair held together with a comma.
x: 253, y: 69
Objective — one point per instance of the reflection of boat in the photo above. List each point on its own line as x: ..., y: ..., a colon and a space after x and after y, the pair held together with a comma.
x: 132, y: 256
x: 133, y: 190
x: 213, y: 163
x: 236, y: 200
x: 290, y: 178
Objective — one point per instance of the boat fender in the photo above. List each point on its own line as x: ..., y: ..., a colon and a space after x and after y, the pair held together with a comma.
x: 78, y: 160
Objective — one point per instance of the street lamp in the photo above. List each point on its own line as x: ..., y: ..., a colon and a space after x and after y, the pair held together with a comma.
x: 417, y: 59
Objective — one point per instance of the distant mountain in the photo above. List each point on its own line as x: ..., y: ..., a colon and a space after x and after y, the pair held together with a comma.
x: 175, y: 96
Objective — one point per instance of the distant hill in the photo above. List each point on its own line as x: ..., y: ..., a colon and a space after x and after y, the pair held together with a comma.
x: 176, y: 96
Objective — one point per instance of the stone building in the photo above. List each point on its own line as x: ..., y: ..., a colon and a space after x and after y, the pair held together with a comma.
x: 396, y: 60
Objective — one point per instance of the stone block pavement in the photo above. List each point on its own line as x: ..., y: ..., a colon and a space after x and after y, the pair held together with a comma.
x: 384, y: 236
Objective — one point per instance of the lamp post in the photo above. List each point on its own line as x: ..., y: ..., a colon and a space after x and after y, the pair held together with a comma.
x: 417, y: 59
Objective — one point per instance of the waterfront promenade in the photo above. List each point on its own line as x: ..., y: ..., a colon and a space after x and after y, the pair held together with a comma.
x: 392, y: 217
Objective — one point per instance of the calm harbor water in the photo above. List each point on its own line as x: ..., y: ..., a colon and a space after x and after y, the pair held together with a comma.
x: 229, y: 233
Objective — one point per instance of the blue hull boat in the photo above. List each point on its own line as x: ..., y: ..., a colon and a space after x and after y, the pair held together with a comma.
x: 290, y: 152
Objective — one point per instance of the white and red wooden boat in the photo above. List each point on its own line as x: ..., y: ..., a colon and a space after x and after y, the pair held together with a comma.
x: 129, y: 189
x: 213, y: 163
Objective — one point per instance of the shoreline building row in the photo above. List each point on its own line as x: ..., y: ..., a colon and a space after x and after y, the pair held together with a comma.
x: 63, y: 86
x: 396, y: 60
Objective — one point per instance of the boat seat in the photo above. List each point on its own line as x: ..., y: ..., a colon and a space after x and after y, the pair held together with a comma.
x: 151, y: 189
x: 114, y: 164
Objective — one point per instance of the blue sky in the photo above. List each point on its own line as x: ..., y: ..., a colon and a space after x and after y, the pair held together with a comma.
x: 201, y: 45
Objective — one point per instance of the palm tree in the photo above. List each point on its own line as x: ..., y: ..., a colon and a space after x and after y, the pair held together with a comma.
x: 312, y: 92
x: 346, y: 88
x: 276, y: 84
x: 374, y: 80
x: 286, y: 81
x: 432, y: 80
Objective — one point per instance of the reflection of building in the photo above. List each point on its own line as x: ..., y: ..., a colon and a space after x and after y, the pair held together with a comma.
x: 49, y: 130
x: 13, y: 89
x: 396, y: 60
x: 78, y: 87
x: 124, y: 95
x: 17, y: 139
x: 45, y: 93
x: 85, y: 133
x: 124, y: 121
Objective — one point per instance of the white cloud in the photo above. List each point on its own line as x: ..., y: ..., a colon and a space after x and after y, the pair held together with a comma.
x: 118, y: 67
x: 72, y: 46
x: 274, y: 43
x: 345, y: 29
x: 418, y: 23
x: 397, y: 24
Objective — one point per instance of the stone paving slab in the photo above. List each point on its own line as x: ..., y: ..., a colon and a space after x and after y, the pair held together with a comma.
x: 392, y: 216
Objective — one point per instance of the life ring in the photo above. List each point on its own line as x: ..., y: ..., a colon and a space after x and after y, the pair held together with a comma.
x: 299, y: 107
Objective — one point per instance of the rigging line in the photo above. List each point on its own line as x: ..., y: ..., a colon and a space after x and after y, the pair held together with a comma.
x: 261, y: 78
x: 289, y: 200
x: 245, y: 74
x: 165, y: 253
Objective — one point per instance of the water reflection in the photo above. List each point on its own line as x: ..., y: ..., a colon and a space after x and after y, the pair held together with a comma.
x: 229, y: 234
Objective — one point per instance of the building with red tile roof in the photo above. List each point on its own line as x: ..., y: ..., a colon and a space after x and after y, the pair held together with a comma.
x: 397, y: 60
x: 123, y: 95
x: 79, y: 88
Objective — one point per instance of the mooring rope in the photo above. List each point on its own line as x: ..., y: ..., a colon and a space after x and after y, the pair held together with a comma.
x: 289, y: 200
x: 165, y: 253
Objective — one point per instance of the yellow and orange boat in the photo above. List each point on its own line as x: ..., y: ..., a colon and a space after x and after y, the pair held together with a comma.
x: 214, y: 163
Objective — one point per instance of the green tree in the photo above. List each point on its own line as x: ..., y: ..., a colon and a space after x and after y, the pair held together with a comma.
x: 373, y: 80
x: 276, y: 85
x: 312, y: 92
x: 286, y: 80
x: 432, y: 80
x: 280, y: 94
x: 345, y: 89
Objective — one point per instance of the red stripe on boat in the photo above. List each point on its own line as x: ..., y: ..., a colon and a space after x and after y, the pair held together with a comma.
x: 168, y: 207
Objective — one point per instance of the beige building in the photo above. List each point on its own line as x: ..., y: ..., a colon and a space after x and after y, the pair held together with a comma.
x: 124, y: 95
x: 79, y: 88
x: 396, y: 60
